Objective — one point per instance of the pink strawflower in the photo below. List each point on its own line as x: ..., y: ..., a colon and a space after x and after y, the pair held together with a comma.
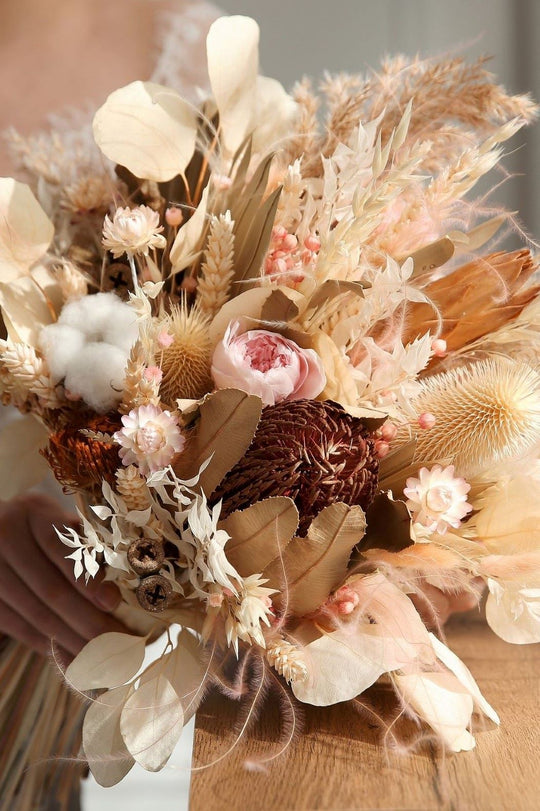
x: 437, y: 499
x: 150, y: 438
x: 153, y: 374
x: 267, y: 365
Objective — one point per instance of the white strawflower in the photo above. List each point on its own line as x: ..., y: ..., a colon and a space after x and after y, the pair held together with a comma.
x: 252, y: 608
x: 437, y: 499
x: 133, y: 231
x: 88, y: 347
x: 150, y: 438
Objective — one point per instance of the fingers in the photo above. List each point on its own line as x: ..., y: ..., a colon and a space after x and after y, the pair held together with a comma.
x: 17, y: 596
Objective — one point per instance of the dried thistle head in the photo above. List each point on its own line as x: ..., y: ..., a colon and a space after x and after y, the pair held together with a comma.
x: 485, y: 413
x: 183, y: 352
x: 311, y: 451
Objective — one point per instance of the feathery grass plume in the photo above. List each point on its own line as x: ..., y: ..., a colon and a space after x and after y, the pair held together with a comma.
x: 138, y: 389
x: 475, y: 299
x: 485, y: 413
x: 286, y: 659
x: 305, y: 144
x: 184, y: 360
x: 28, y: 373
x: 133, y: 488
x: 217, y: 269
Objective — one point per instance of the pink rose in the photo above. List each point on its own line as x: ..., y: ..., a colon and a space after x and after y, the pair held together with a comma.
x: 267, y: 365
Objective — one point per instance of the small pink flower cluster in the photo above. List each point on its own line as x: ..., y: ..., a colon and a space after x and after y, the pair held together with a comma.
x: 286, y: 261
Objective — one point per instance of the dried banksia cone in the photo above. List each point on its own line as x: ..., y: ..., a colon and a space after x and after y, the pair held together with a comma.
x: 484, y: 413
x: 79, y: 461
x: 313, y: 452
x: 184, y: 360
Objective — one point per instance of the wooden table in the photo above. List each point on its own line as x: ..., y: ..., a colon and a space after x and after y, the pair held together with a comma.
x: 338, y: 762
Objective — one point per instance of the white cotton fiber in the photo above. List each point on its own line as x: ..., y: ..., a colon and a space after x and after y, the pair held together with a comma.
x: 97, y: 375
x: 89, y: 346
x: 60, y: 344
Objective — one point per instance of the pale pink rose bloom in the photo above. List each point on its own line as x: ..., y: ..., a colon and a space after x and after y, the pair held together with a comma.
x: 267, y: 365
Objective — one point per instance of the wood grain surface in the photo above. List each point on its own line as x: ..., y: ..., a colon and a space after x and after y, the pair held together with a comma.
x: 339, y: 763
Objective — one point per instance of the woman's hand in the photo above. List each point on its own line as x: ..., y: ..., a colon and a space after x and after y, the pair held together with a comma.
x: 40, y: 600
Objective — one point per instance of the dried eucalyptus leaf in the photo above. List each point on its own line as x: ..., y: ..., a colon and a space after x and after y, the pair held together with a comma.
x: 232, y: 47
x: 109, y: 660
x: 477, y: 237
x: 388, y: 525
x: 151, y: 723
x: 259, y: 533
x: 148, y: 128
x: 103, y: 745
x: 25, y: 230
x: 279, y: 307
x: 21, y: 465
x: 228, y: 422
x: 332, y: 288
x: 317, y: 564
x: 248, y: 304
x: 432, y: 256
x: 394, y: 467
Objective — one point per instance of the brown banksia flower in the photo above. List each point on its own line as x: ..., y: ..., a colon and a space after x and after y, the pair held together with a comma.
x: 185, y: 361
x: 313, y: 452
x: 81, y: 462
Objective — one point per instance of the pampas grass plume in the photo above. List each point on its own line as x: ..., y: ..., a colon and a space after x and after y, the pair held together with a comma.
x: 486, y: 413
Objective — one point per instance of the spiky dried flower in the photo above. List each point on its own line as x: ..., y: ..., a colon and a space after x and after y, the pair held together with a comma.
x: 79, y: 462
x: 313, y: 452
x: 88, y: 194
x: 184, y: 360
x: 286, y: 659
x: 485, y: 413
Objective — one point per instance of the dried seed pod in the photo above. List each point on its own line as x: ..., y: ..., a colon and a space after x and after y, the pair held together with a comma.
x: 146, y: 556
x: 154, y: 593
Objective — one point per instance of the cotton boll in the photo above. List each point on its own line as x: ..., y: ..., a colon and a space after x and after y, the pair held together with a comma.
x: 122, y: 329
x: 60, y: 345
x: 91, y: 315
x: 97, y: 375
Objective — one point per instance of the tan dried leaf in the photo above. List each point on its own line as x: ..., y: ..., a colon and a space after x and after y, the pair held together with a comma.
x: 313, y: 566
x: 259, y: 533
x: 109, y: 660
x: 103, y: 745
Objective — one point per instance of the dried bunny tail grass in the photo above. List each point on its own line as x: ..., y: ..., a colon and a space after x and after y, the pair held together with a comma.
x: 133, y: 488
x: 305, y: 140
x: 28, y: 372
x: 287, y: 660
x: 218, y: 267
x: 138, y: 390
x: 485, y: 413
x: 185, y: 363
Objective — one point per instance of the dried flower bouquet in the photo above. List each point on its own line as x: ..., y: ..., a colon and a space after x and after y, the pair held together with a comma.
x: 296, y: 395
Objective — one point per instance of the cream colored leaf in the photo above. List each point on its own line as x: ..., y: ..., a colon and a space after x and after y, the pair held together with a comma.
x: 184, y: 669
x: 248, y: 305
x: 232, y: 48
x: 259, y: 533
x: 26, y: 310
x: 21, y: 465
x: 432, y: 256
x: 228, y: 422
x: 509, y: 519
x: 340, y: 383
x: 342, y: 665
x: 187, y: 245
x: 476, y: 237
x: 148, y: 128
x: 151, y: 723
x: 315, y: 565
x: 439, y: 699
x: 103, y: 745
x: 464, y: 676
x: 513, y: 613
x: 109, y: 660
x: 25, y: 230
x: 275, y: 112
